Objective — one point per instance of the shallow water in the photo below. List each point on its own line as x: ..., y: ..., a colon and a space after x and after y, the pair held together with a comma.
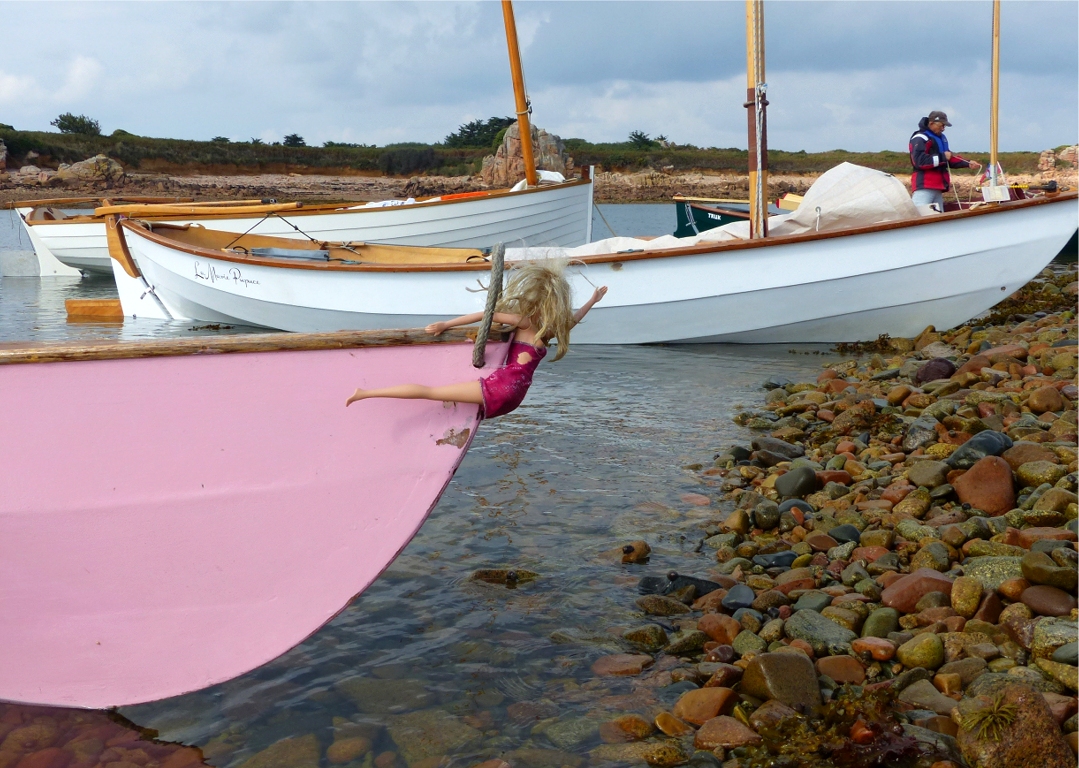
x: 592, y: 459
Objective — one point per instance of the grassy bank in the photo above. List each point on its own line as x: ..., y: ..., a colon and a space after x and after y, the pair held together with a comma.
x: 140, y: 153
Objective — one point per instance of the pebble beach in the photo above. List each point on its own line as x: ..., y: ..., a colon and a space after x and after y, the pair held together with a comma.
x: 896, y: 582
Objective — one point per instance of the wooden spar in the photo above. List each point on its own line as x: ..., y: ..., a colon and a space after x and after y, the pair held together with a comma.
x: 994, y: 102
x: 524, y: 127
x: 756, y: 107
x: 69, y: 351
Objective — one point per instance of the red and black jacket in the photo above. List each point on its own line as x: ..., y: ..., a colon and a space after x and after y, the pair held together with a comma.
x: 927, y: 156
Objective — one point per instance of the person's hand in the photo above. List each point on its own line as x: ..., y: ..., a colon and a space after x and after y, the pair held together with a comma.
x: 436, y: 328
x: 975, y: 165
x: 947, y: 155
x: 598, y: 294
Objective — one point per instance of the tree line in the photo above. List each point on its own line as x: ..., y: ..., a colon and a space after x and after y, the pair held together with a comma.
x: 459, y: 153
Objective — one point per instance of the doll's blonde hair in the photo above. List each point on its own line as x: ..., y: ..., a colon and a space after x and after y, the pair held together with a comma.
x: 539, y: 290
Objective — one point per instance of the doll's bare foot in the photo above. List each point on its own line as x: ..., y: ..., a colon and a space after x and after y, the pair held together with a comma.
x: 359, y: 394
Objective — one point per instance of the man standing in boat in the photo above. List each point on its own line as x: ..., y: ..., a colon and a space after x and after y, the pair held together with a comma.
x: 931, y: 158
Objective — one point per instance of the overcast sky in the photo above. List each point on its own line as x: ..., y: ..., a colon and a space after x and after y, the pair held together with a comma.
x: 851, y: 75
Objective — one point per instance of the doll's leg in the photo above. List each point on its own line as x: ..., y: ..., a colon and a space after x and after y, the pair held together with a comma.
x: 465, y: 392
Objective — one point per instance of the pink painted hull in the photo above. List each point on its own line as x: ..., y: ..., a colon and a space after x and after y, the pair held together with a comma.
x: 169, y: 523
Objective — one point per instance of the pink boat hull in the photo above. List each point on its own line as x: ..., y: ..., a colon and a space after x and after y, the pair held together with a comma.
x: 169, y: 523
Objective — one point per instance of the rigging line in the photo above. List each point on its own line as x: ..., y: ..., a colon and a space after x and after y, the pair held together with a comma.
x: 238, y: 238
x: 313, y: 240
x: 600, y: 212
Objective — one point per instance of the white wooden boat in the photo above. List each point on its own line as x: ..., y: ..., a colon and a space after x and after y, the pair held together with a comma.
x: 851, y: 284
x: 64, y: 207
x: 218, y: 503
x: 557, y: 214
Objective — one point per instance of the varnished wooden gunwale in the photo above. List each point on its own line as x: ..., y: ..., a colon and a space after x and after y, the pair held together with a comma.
x: 607, y: 258
x: 53, y: 201
x: 213, y: 241
x: 12, y: 353
x: 309, y: 210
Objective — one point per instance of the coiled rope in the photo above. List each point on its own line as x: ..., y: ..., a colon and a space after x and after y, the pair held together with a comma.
x: 494, y: 293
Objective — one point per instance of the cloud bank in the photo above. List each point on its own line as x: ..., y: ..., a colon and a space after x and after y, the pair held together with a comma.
x: 845, y: 75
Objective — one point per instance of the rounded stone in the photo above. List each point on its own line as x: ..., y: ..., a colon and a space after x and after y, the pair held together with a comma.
x: 881, y: 623
x: 932, y: 600
x: 739, y: 596
x: 1067, y: 654
x: 937, y: 368
x: 766, y: 515
x: 798, y: 482
x: 725, y: 732
x: 1040, y: 568
x: 671, y: 725
x: 842, y: 669
x: 846, y: 533
x: 702, y: 704
x: 786, y: 677
x: 1045, y: 399
x: 986, y: 443
x: 1034, y: 473
x: 924, y: 650
x: 987, y: 485
x: 1048, y: 601
x: 929, y: 474
x: 877, y: 647
x: 791, y: 504
x: 966, y: 596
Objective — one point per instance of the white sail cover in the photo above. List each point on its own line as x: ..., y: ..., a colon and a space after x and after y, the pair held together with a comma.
x: 846, y: 196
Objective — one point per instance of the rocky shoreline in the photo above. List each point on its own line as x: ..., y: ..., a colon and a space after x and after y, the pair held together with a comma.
x: 611, y: 187
x: 895, y: 584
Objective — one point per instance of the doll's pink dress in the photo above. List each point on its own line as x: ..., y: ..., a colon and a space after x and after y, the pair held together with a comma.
x: 506, y: 388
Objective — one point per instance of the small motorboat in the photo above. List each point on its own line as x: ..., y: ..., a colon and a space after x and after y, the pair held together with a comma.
x: 217, y: 503
x: 699, y: 214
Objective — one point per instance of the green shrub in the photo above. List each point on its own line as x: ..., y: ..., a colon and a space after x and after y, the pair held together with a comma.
x: 69, y: 123
x: 479, y: 133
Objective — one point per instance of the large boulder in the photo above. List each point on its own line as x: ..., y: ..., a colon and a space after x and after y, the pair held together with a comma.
x: 99, y: 169
x: 506, y: 166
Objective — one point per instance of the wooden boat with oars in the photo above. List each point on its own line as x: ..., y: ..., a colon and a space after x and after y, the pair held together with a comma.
x: 51, y: 209
x: 555, y: 213
x: 217, y: 505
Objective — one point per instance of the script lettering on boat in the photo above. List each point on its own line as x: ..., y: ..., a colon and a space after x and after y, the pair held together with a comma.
x: 210, y: 274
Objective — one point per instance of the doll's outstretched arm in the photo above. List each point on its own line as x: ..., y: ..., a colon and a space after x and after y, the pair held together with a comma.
x: 598, y: 294
x: 503, y: 318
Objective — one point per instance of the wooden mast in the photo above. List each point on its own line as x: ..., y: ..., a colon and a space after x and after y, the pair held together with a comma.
x: 523, y: 107
x: 756, y: 107
x: 994, y: 108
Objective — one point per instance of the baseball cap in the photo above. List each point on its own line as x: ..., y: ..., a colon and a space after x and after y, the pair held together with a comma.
x: 936, y: 116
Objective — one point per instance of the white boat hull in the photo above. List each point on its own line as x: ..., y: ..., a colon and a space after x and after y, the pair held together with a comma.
x: 847, y: 286
x: 48, y: 264
x: 557, y: 215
